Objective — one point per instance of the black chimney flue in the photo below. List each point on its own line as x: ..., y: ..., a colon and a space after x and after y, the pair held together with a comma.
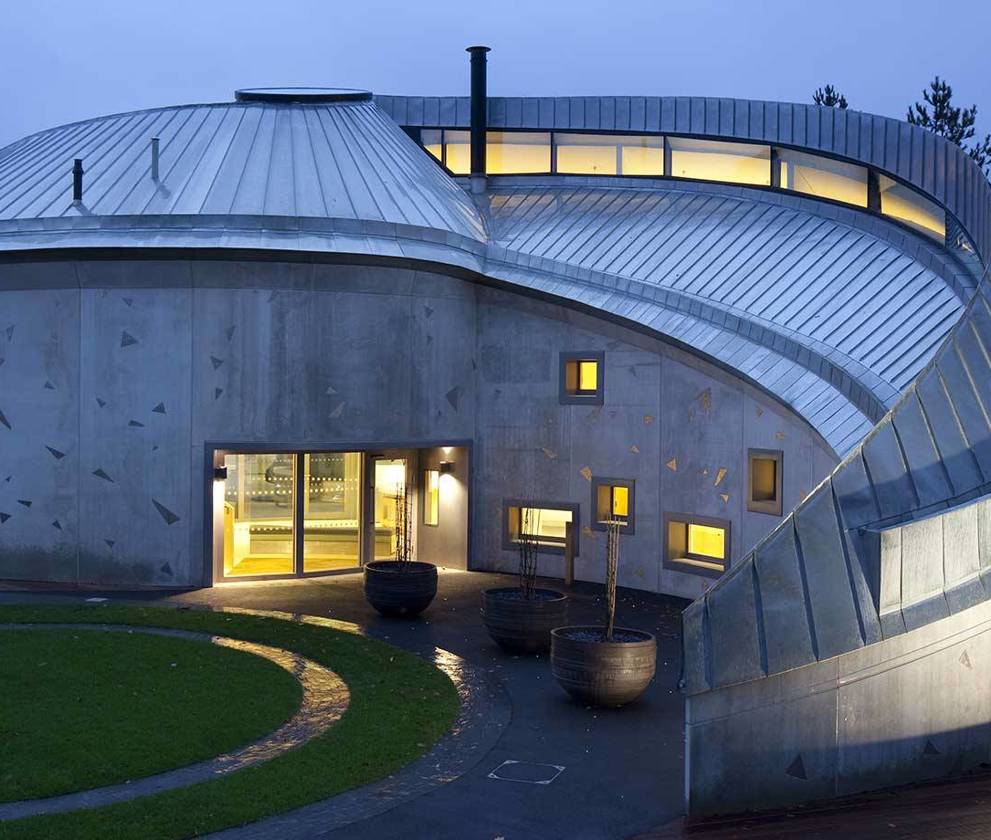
x: 77, y: 179
x: 479, y: 116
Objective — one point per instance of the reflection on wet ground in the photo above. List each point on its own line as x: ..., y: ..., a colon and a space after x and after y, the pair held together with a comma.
x: 325, y: 699
x: 484, y: 714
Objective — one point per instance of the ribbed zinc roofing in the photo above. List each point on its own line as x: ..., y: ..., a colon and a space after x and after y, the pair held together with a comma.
x: 330, y: 160
x: 813, y: 276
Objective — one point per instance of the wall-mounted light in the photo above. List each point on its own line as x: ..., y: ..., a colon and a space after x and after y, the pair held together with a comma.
x: 220, y: 473
x: 446, y: 467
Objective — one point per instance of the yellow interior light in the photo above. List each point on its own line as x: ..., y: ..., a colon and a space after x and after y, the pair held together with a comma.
x: 707, y: 541
x: 711, y: 160
x: 642, y: 160
x: 903, y: 203
x: 588, y: 375
x: 621, y: 501
x: 431, y: 509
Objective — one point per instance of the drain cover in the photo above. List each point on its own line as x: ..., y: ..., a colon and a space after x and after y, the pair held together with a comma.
x: 527, y: 771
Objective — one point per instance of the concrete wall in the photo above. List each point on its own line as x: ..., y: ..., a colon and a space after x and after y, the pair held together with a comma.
x: 914, y: 706
x: 446, y: 543
x: 116, y: 374
x: 679, y: 427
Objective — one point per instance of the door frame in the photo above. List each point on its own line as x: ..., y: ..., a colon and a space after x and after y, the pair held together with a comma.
x: 368, y: 500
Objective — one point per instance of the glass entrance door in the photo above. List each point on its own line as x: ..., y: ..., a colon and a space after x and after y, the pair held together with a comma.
x: 289, y: 514
x: 388, y: 490
x: 259, y: 513
x: 331, y: 511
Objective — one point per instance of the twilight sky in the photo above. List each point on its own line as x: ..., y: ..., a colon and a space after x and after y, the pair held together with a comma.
x: 64, y: 60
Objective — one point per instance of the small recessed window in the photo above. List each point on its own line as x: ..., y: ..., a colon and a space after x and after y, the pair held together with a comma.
x: 613, y: 500
x: 431, y: 497
x: 547, y: 521
x: 696, y: 544
x: 582, y: 376
x: 764, y: 492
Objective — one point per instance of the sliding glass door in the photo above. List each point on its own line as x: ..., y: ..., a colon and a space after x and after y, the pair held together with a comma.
x: 389, y: 491
x: 291, y: 513
x: 331, y: 511
x: 259, y: 508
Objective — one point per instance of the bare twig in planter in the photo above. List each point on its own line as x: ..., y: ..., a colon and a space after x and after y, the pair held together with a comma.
x: 404, y: 540
x: 612, y: 565
x: 529, y: 525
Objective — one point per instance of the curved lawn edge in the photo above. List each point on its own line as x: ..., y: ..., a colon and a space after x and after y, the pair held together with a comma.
x: 100, y: 707
x: 400, y: 706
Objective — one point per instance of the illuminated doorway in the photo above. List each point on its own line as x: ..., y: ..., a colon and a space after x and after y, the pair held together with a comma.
x: 279, y: 514
x: 259, y: 507
x: 390, y: 487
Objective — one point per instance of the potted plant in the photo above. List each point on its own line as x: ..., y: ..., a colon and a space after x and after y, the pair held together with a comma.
x: 520, y: 618
x: 604, y: 666
x: 401, y: 586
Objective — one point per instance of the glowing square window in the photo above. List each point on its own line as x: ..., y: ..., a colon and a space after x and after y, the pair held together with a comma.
x: 582, y: 377
x: 613, y: 500
x: 547, y: 522
x: 696, y: 544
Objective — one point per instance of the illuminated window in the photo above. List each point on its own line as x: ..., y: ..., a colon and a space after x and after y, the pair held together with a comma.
x: 457, y: 151
x: 696, y: 544
x: 259, y: 506
x: 764, y: 480
x: 712, y: 160
x: 582, y: 376
x: 431, y: 497
x: 547, y: 521
x: 432, y: 141
x: 331, y: 511
x: 822, y: 177
x: 613, y: 499
x: 608, y: 154
x: 906, y: 205
x: 517, y: 152
x: 642, y: 156
x: 390, y: 488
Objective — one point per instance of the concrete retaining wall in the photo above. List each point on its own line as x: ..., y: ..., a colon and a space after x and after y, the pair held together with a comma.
x: 914, y: 706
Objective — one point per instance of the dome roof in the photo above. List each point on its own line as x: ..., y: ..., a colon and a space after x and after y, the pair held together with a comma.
x: 341, y: 159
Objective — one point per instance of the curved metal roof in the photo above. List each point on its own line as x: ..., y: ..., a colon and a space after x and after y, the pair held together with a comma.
x: 822, y: 282
x: 342, y: 161
x: 830, y: 310
x: 932, y: 164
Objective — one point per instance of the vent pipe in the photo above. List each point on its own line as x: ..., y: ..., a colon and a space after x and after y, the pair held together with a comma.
x: 154, y: 158
x: 77, y: 179
x: 479, y: 116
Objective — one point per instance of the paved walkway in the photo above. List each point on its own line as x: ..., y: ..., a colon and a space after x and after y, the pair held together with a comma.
x: 622, y: 773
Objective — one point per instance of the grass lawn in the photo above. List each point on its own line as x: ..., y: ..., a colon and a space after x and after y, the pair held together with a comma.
x: 400, y: 705
x: 88, y: 708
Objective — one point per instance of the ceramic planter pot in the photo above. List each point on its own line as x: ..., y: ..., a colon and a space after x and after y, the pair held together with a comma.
x: 400, y: 593
x: 523, y: 625
x: 598, y: 672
